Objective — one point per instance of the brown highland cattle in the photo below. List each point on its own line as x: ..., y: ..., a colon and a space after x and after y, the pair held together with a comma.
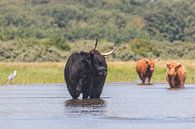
x: 176, y: 75
x: 145, y: 69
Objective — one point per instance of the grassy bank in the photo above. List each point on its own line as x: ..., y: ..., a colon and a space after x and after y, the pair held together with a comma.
x: 125, y: 71
x: 53, y: 72
x: 32, y: 72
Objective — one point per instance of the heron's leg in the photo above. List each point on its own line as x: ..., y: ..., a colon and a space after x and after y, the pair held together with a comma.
x: 14, y: 82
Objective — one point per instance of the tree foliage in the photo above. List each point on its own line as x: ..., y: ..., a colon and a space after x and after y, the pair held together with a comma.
x: 57, y: 23
x: 172, y: 21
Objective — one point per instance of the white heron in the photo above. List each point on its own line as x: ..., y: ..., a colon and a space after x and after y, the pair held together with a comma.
x: 11, y: 76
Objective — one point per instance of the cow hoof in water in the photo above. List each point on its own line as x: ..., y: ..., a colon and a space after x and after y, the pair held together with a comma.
x: 141, y: 84
x: 150, y: 83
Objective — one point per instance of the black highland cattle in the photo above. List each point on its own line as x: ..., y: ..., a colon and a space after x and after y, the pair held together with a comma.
x: 85, y: 72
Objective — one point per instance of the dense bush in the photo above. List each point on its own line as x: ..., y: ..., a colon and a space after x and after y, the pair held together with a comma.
x: 55, y: 25
x: 172, y: 21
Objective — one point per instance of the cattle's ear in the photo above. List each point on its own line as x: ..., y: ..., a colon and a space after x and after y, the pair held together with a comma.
x: 178, y: 66
x: 167, y: 65
x: 146, y: 60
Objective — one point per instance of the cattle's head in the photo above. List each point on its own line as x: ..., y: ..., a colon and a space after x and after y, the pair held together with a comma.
x: 150, y: 64
x: 98, y: 62
x: 172, y: 69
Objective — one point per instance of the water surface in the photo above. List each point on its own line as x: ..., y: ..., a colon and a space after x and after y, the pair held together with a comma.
x: 122, y: 106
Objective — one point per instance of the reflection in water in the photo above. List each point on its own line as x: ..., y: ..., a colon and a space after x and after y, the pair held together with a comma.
x: 85, y: 102
x: 176, y: 88
x: 85, y: 107
x: 145, y: 84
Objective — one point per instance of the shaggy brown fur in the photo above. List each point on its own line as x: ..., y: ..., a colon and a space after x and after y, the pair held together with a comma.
x: 176, y: 75
x: 145, y: 69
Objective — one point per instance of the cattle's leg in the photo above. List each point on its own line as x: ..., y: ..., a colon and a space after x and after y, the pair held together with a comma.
x: 173, y: 82
x: 149, y: 78
x: 74, y: 95
x: 181, y: 84
x: 93, y: 94
x: 85, y: 94
x: 74, y: 91
x: 96, y: 94
x: 92, y: 97
x: 87, y: 88
x: 142, y: 78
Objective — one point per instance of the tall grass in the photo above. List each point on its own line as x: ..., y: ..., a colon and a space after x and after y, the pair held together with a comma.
x: 32, y: 72
x: 50, y: 72
x: 121, y: 72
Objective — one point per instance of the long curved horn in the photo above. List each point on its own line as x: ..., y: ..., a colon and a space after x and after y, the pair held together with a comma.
x: 108, y: 53
x: 96, y: 44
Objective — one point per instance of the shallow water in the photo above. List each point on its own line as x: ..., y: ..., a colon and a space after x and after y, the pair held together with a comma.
x: 122, y: 106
